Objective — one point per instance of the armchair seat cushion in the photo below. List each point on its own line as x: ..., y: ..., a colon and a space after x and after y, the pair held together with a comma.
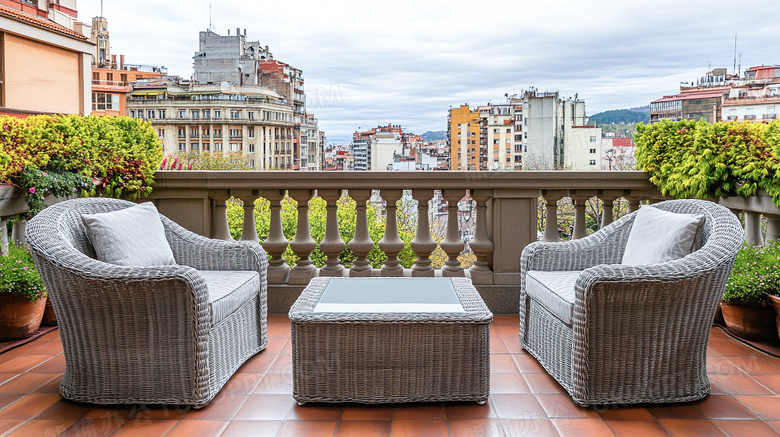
x: 554, y: 291
x: 229, y: 290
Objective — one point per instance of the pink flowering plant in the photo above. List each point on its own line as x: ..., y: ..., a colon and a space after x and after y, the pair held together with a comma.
x: 755, y: 273
x: 19, y: 276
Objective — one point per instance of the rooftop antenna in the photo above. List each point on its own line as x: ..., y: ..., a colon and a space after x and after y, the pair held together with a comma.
x: 739, y: 66
x: 211, y: 27
x: 101, y: 8
x: 734, y: 69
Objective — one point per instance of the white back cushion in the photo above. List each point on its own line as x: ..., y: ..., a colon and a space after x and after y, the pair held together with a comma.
x: 129, y: 237
x: 659, y: 236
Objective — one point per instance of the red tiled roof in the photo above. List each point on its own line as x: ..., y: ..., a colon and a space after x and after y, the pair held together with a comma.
x: 40, y: 22
x: 708, y: 94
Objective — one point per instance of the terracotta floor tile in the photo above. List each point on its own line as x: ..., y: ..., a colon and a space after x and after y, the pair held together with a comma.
x: 718, y: 334
x: 308, y: 428
x: 561, y: 406
x: 679, y: 411
x: 543, y: 383
x: 282, y: 364
x: 721, y: 366
x: 278, y: 318
x: 50, y: 348
x: 41, y: 428
x: 278, y: 330
x: 636, y: 428
x: 29, y: 406
x: 22, y: 363
x: 418, y: 411
x: 242, y: 383
x: 419, y: 428
x: 53, y: 386
x: 363, y: 428
x: 6, y: 376
x: 508, y: 383
x: 502, y: 364
x: 368, y: 412
x: 469, y: 410
x: 94, y: 427
x: 722, y: 407
x: 314, y: 412
x: 754, y: 365
x: 771, y: 382
x: 252, y: 428
x: 517, y: 406
x: 766, y: 407
x: 51, y: 336
x: 65, y: 409
x: 686, y: 428
x: 582, y: 428
x: 8, y: 399
x: 146, y: 428
x: 528, y: 364
x: 739, y: 428
x: 476, y: 427
x: 53, y: 365
x: 266, y: 407
x: 730, y: 347
x: 508, y: 331
x: 25, y: 383
x: 275, y: 345
x: 287, y: 349
x: 513, y: 345
x: 275, y: 383
x: 506, y: 319
x: 529, y: 427
x: 625, y: 413
x: 7, y: 425
x: 497, y: 346
x: 198, y: 428
x: 223, y: 407
x: 258, y: 363
x: 740, y: 385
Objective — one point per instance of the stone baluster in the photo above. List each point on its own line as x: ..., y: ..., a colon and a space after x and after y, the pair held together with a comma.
x: 302, y: 245
x: 423, y: 245
x: 551, y: 216
x: 249, y: 230
x: 607, y: 207
x: 3, y: 238
x: 580, y: 228
x: 633, y: 203
x: 361, y: 243
x: 391, y: 244
x: 772, y: 229
x: 752, y: 228
x: 332, y: 244
x: 220, y: 229
x: 452, y: 245
x: 481, y: 245
x: 276, y: 243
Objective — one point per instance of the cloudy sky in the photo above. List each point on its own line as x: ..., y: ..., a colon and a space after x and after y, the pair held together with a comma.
x: 408, y: 62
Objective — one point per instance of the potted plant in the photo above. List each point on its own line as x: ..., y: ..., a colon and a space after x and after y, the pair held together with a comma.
x: 22, y: 295
x: 746, y: 309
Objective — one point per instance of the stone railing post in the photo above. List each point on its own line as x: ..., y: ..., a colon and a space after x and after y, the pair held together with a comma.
x: 423, y: 245
x: 276, y: 243
x: 580, y: 228
x: 361, y: 243
x: 772, y: 228
x: 220, y: 228
x: 249, y: 230
x: 3, y: 238
x: 332, y: 244
x: 607, y: 208
x: 391, y: 244
x: 302, y: 245
x: 513, y: 216
x: 551, y: 215
x: 452, y: 245
x: 481, y: 245
x: 753, y: 228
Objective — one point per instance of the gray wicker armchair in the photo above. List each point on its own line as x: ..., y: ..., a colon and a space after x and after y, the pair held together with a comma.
x: 149, y: 335
x: 636, y: 334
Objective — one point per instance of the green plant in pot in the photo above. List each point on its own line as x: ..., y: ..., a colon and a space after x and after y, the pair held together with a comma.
x: 746, y: 309
x: 22, y: 295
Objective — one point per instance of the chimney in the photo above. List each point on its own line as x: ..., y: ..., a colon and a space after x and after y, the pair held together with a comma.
x: 238, y: 31
x: 244, y: 32
x: 113, y: 61
x: 121, y: 62
x: 228, y: 32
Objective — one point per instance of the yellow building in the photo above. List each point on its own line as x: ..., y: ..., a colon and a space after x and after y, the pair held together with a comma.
x: 463, y: 139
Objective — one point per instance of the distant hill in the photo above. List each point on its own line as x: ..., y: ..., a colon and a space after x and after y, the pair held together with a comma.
x: 622, y: 116
x: 433, y: 136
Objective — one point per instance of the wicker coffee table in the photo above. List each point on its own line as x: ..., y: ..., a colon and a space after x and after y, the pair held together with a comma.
x: 383, y: 340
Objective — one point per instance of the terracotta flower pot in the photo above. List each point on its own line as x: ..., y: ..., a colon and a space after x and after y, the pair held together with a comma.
x: 750, y: 321
x: 19, y: 316
x: 776, y: 303
x: 49, y: 318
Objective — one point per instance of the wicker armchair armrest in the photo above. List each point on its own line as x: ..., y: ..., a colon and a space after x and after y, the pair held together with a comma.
x: 204, y: 253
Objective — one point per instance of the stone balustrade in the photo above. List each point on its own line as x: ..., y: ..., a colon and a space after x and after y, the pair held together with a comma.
x: 755, y: 208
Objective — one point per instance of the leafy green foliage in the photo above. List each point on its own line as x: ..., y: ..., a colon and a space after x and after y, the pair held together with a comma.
x: 60, y: 184
x: 755, y: 273
x: 19, y: 276
x: 697, y: 159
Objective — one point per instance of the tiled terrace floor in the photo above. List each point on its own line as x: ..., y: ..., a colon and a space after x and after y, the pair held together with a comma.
x: 524, y: 401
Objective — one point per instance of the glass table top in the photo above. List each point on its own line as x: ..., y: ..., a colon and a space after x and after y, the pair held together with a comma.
x: 389, y: 295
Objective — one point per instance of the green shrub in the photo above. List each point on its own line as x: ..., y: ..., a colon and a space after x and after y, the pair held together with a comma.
x: 755, y: 273
x: 18, y: 275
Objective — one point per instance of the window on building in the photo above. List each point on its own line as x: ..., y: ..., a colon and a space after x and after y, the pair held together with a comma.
x: 473, y: 142
x: 195, y: 113
x: 194, y: 132
x: 182, y: 113
x: 206, y: 146
x: 110, y: 77
x: 252, y: 163
x: 509, y: 130
x: 592, y: 150
x: 251, y: 132
x: 217, y: 131
x: 104, y: 102
x: 251, y: 148
x: 251, y: 115
x: 217, y: 113
x: 161, y: 113
x: 182, y: 147
x: 150, y: 114
x: 217, y: 147
x: 95, y: 76
x: 205, y: 132
x: 235, y: 114
x: 194, y: 146
x: 182, y: 132
x: 592, y: 139
x: 592, y: 162
x: 235, y: 132
x: 132, y: 113
x: 207, y: 113
x: 123, y: 77
x: 161, y: 133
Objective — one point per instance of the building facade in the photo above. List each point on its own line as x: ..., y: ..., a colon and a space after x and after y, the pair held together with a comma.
x: 756, y: 98
x: 463, y: 137
x: 45, y: 59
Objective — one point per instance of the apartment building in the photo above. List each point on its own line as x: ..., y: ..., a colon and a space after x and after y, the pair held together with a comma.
x: 463, y: 137
x: 756, y: 98
x: 312, y: 144
x: 36, y: 39
x: 555, y: 134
